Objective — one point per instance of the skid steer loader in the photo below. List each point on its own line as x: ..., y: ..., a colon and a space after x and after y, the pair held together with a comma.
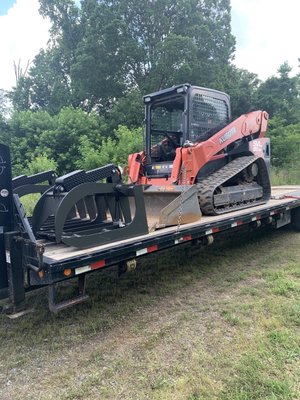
x: 195, y: 162
x: 193, y: 149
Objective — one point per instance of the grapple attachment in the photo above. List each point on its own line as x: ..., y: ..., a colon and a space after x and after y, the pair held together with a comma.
x: 82, y: 212
x: 37, y: 183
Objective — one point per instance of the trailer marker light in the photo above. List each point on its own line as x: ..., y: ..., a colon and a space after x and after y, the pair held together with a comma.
x: 67, y: 272
x: 41, y: 274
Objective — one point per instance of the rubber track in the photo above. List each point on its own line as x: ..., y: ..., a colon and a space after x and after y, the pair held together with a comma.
x: 208, y: 186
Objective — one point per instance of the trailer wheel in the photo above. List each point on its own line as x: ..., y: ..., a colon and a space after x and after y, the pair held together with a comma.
x: 296, y: 218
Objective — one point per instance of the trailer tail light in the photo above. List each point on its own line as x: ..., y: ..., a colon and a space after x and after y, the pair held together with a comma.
x: 67, y: 272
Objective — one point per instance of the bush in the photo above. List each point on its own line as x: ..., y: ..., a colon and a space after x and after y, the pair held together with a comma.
x: 41, y: 163
x: 111, y: 150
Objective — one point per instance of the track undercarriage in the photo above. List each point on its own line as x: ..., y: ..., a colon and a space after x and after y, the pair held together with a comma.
x: 242, y: 183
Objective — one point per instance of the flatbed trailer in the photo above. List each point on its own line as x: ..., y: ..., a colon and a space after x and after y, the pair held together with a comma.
x: 27, y: 265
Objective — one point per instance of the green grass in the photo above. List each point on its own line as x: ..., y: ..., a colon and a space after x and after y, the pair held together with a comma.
x: 285, y: 176
x: 188, y: 324
x: 29, y: 201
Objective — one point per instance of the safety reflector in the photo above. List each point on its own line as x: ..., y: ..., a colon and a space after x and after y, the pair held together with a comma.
x: 92, y: 267
x: 82, y: 270
x: 185, y: 238
x: 147, y: 250
x: 236, y: 223
x: 98, y: 264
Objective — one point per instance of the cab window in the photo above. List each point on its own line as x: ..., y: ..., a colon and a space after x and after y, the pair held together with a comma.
x: 207, y: 114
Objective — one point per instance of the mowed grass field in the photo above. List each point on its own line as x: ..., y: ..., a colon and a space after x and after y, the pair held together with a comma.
x: 221, y: 322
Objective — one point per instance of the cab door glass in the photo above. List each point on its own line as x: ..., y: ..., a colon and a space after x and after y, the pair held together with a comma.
x: 207, y: 114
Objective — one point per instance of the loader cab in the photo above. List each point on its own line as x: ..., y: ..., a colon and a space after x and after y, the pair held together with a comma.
x: 179, y: 114
x: 209, y: 111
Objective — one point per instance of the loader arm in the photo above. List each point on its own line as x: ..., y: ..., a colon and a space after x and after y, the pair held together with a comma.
x: 251, y: 126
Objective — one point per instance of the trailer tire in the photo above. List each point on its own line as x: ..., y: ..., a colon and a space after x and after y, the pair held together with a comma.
x: 296, y: 218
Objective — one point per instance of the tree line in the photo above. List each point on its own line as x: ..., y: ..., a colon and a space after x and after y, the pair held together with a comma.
x: 80, y: 103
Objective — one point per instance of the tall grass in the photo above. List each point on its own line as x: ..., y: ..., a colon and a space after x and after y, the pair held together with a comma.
x: 29, y: 201
x: 287, y: 175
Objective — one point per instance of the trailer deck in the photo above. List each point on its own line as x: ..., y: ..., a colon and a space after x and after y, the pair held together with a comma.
x: 48, y: 263
x: 283, y: 197
x: 58, y: 257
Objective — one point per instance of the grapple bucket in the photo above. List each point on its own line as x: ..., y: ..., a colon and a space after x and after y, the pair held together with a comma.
x: 80, y: 211
x: 171, y: 205
x: 90, y: 214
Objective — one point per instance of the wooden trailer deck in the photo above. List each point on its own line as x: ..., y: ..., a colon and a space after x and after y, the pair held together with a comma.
x: 282, y: 197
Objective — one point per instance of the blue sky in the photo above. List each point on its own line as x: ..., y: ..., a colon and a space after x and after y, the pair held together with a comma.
x: 266, y: 34
x: 5, y: 5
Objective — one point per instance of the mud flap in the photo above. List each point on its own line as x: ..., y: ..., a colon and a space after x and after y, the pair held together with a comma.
x: 171, y: 205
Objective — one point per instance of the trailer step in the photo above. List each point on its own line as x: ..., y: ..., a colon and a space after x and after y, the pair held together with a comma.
x: 19, y: 313
x: 62, y: 305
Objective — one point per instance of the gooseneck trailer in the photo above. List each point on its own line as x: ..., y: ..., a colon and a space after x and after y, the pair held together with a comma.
x: 201, y: 173
x: 28, y: 263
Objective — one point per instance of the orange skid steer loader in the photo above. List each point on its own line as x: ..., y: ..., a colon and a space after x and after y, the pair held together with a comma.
x: 195, y: 162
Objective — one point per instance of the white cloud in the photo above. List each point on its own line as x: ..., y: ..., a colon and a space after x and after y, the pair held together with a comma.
x: 267, y: 34
x: 23, y: 33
